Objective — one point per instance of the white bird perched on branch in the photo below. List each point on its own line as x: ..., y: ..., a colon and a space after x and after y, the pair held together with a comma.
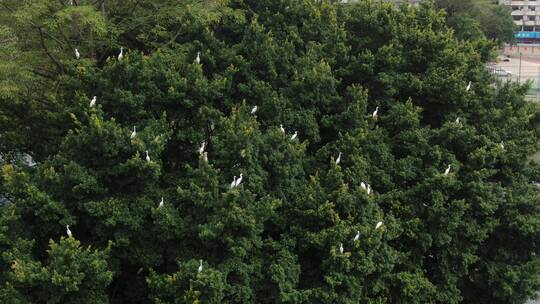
x: 121, y: 55
x: 233, y: 183
x: 469, y: 86
x: 161, y: 203
x: 447, y: 171
x: 294, y: 135
x: 338, y: 160
x: 341, y: 248
x: 363, y: 186
x: 200, y: 269
x: 77, y: 54
x: 254, y: 109
x: 205, y: 157
x: 458, y: 120
x: 501, y: 145
x: 147, y: 156
x: 379, y: 225
x: 134, y: 133
x: 93, y: 101
x: 357, y: 236
x: 368, y: 189
x: 281, y: 129
x: 202, y: 147
x: 198, y: 58
x: 374, y: 114
x: 68, y: 232
x: 239, y: 180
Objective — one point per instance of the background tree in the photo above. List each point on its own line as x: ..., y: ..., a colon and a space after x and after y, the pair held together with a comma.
x: 316, y: 71
x: 475, y: 19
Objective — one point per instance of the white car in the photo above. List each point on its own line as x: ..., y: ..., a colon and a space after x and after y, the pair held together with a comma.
x: 501, y: 72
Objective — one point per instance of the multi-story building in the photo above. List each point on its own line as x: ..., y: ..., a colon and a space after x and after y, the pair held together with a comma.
x: 526, y: 15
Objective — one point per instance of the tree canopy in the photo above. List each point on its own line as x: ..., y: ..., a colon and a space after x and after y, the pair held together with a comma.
x: 389, y: 91
x: 475, y: 19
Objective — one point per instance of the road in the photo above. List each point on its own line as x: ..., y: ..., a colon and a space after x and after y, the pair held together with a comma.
x: 530, y: 70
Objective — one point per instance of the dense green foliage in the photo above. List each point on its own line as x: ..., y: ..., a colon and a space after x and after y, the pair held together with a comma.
x: 317, y: 68
x: 476, y: 19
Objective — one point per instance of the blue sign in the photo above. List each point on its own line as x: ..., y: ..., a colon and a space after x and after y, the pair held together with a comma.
x: 527, y: 35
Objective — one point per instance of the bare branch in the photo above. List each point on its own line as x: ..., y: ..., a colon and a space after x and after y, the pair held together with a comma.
x: 44, y: 46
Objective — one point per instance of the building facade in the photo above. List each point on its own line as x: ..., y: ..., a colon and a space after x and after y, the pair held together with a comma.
x: 526, y: 15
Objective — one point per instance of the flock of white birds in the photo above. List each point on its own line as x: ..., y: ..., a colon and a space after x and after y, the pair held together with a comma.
x: 237, y: 181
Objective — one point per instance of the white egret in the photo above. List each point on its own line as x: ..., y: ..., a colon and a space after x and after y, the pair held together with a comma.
x: 282, y: 129
x: 199, y: 270
x: 77, y: 54
x: 363, y: 186
x: 161, y: 203
x: 294, y: 135
x: 338, y: 160
x: 469, y: 86
x: 501, y: 145
x: 233, y: 183
x: 198, y: 58
x: 93, y: 101
x: 458, y: 120
x: 374, y: 115
x: 68, y: 232
x: 368, y: 189
x: 357, y: 236
x: 447, y: 171
x: 202, y: 147
x: 205, y: 157
x: 254, y: 109
x: 147, y: 156
x: 134, y: 133
x: 239, y: 180
x: 341, y: 248
x: 379, y: 225
x: 121, y: 55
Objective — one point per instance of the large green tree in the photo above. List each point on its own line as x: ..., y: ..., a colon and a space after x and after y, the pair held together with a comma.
x: 154, y: 220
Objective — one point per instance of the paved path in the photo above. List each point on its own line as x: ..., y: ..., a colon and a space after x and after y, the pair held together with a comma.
x: 530, y: 70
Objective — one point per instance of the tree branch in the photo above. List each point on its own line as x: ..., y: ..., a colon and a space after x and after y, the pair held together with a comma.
x: 42, y: 74
x: 42, y: 41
